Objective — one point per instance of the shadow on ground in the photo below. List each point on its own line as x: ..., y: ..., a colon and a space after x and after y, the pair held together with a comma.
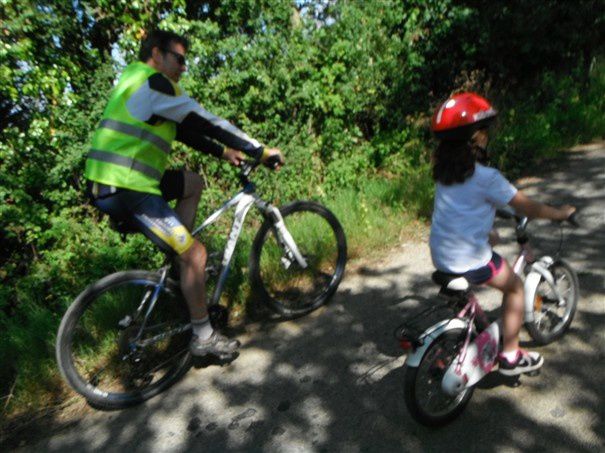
x: 333, y: 381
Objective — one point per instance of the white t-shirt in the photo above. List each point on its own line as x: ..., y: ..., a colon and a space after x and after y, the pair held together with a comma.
x: 463, y: 217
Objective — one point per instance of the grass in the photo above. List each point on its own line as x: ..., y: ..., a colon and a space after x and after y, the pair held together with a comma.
x: 382, y: 212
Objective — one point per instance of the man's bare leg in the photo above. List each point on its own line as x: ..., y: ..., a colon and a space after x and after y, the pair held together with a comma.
x: 192, y: 263
x: 186, y: 207
x: 193, y: 280
x: 193, y: 284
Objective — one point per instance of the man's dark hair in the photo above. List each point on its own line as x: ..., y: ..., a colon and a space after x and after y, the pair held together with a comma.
x: 162, y: 40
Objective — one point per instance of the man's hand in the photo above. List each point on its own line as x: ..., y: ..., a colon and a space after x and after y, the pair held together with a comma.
x: 233, y: 156
x: 272, y: 158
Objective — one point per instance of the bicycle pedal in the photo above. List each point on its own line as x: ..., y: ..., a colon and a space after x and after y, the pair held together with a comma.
x: 533, y: 373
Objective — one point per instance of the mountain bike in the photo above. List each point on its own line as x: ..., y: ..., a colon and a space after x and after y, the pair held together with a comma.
x: 125, y: 338
x: 449, y: 357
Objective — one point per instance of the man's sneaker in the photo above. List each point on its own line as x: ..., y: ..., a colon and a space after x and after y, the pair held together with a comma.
x: 524, y: 363
x: 217, y: 345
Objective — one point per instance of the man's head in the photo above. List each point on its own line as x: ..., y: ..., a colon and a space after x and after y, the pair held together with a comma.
x: 165, y: 51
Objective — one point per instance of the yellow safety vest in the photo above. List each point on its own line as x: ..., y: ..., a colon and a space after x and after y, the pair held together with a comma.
x: 125, y: 151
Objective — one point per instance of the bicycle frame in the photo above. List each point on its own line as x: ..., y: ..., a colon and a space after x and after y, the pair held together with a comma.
x: 242, y: 202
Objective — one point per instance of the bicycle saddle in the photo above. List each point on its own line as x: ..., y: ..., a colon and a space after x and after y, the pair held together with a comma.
x: 450, y: 282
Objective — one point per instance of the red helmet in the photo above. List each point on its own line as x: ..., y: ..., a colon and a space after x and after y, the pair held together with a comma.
x: 461, y: 115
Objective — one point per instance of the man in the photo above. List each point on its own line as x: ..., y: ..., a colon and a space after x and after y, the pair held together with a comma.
x: 126, y: 167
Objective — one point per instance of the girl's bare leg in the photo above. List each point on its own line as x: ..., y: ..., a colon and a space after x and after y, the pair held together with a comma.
x: 512, y: 303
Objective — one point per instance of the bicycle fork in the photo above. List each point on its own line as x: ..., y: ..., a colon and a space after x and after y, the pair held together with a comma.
x: 284, y: 238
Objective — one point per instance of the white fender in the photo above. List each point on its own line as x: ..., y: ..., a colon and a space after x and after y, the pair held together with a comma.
x: 538, y: 270
x: 429, y: 335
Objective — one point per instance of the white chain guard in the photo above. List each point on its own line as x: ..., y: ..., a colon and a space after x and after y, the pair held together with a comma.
x: 480, y: 358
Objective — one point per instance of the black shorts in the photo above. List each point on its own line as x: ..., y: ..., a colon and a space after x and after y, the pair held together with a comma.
x: 148, y: 213
x: 485, y: 273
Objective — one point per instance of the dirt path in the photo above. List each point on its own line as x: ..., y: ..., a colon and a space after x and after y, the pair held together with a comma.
x: 333, y: 380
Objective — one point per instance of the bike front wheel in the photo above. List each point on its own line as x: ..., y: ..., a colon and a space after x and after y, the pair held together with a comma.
x: 105, y: 354
x: 552, y: 317
x: 277, y: 277
x: 426, y: 401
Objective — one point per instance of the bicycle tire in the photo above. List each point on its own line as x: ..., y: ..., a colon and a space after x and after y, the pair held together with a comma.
x: 92, y: 319
x: 544, y: 305
x: 416, y: 379
x: 287, y: 289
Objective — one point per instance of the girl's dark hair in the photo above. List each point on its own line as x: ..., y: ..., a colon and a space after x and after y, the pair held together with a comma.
x: 162, y: 40
x: 453, y: 162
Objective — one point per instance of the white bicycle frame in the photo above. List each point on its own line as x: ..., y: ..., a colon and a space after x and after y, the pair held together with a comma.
x: 243, y: 201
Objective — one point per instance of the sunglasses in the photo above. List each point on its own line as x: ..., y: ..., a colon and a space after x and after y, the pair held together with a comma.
x: 180, y: 59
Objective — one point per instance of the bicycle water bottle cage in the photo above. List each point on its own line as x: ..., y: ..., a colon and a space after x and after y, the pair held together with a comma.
x: 454, y: 287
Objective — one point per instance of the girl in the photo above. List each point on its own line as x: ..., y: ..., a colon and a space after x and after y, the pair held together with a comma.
x: 466, y: 198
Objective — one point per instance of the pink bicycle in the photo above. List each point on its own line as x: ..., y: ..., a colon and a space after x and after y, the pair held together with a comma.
x: 448, y: 358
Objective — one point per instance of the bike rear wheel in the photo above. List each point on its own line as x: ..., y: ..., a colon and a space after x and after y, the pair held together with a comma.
x: 424, y: 398
x: 277, y: 277
x: 96, y: 348
x: 551, y: 317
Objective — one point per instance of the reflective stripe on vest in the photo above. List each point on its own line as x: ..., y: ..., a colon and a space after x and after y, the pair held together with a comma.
x: 137, y: 132
x: 116, y: 159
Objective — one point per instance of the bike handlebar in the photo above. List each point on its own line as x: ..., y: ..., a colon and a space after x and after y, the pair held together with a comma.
x: 248, y: 165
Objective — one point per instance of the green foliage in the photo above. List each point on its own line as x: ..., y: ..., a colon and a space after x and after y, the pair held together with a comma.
x: 569, y: 113
x: 345, y: 88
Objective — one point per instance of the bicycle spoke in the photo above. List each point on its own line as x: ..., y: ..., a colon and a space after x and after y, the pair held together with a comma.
x: 109, y: 364
x: 287, y: 287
